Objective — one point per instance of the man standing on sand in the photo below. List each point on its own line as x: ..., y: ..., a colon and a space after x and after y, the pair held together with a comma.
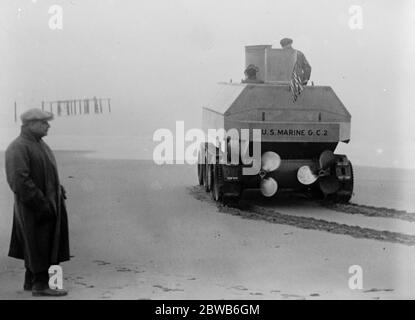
x: 302, y: 67
x: 40, y: 223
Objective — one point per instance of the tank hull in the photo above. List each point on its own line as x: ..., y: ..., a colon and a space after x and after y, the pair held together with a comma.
x: 298, y: 132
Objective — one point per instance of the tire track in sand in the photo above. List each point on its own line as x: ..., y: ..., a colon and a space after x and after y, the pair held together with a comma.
x: 369, y: 211
x: 268, y: 214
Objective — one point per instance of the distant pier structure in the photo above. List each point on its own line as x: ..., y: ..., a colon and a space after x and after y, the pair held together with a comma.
x: 74, y: 106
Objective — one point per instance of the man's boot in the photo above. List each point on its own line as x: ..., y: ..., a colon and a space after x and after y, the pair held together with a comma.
x: 28, y: 280
x: 41, y: 286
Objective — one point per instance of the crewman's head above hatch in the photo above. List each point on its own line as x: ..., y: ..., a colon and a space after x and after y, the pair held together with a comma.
x: 286, y: 42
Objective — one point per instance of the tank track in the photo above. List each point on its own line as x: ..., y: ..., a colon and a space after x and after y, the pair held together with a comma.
x: 345, y: 193
x: 259, y: 212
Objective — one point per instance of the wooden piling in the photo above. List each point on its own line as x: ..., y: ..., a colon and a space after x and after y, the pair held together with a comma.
x: 75, y: 106
x: 100, y: 105
x: 68, y: 111
x: 96, y: 105
x: 86, y: 106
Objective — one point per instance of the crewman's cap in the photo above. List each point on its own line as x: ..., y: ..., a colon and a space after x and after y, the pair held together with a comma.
x: 251, y: 67
x: 286, y: 41
x: 35, y: 114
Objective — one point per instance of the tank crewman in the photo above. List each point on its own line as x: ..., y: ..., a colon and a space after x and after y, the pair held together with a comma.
x: 40, y: 223
x: 302, y: 67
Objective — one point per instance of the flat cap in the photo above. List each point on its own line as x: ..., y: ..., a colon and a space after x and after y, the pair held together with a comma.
x: 286, y: 41
x: 35, y: 114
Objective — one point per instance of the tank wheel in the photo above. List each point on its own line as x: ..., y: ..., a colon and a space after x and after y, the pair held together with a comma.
x: 232, y: 198
x: 200, y: 172
x: 204, y: 173
x: 207, y: 179
x: 345, y: 192
x: 217, y: 183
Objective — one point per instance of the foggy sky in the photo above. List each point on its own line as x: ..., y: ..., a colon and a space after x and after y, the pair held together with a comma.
x: 158, y: 60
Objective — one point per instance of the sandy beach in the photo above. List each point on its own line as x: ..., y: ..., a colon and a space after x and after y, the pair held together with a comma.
x: 130, y: 83
x: 143, y: 231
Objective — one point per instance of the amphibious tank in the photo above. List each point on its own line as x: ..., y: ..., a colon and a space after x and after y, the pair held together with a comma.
x: 273, y: 134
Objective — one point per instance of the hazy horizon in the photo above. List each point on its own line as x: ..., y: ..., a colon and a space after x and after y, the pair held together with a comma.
x: 158, y: 62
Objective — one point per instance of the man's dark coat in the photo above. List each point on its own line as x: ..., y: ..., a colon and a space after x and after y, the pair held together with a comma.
x: 40, y: 222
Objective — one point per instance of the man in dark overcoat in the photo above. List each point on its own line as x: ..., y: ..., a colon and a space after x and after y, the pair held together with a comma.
x: 40, y: 223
